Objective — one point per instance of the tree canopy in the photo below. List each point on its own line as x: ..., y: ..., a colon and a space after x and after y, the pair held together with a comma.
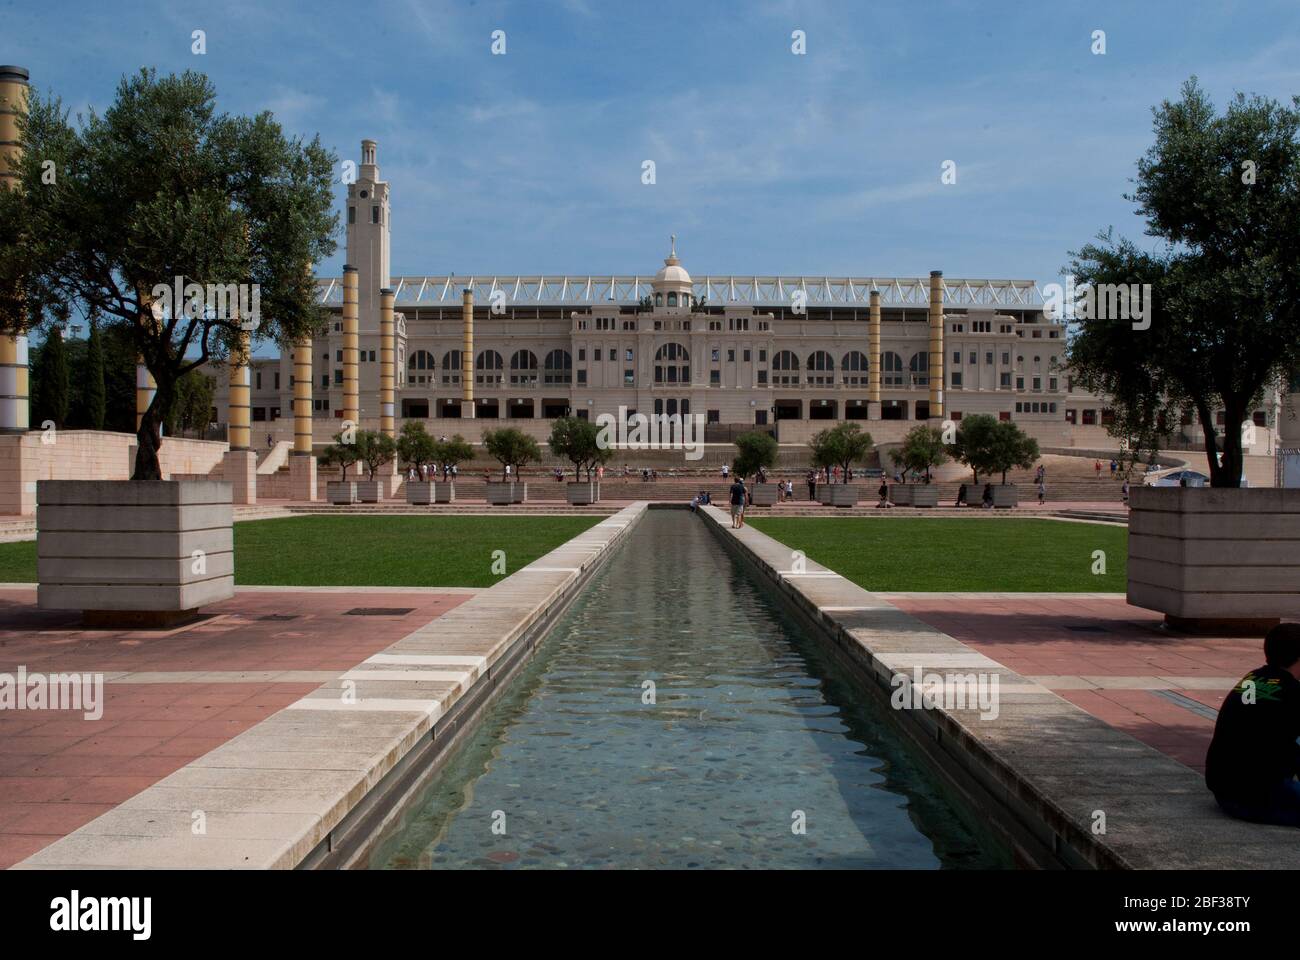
x: 1222, y: 192
x: 754, y: 450
x: 511, y: 447
x: 923, y: 448
x: 162, y: 189
x: 841, y: 445
x: 988, y: 445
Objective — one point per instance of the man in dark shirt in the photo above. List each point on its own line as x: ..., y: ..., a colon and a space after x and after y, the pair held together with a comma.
x: 1253, y: 760
x: 738, y: 503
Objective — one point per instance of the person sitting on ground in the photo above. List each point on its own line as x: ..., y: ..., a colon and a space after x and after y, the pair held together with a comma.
x: 1253, y: 760
x: 961, y: 496
x: 695, y: 503
x: 883, y: 493
x: 738, y: 503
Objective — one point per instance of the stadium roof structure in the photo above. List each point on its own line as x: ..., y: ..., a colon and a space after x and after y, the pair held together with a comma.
x: 591, y: 290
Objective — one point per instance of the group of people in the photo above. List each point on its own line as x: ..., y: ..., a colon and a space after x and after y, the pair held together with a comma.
x: 429, y: 471
x: 986, y: 499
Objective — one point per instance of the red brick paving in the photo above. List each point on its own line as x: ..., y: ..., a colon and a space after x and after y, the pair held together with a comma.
x: 58, y: 771
x: 1032, y: 635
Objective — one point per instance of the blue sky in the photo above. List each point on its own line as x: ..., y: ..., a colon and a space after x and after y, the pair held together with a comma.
x: 766, y: 162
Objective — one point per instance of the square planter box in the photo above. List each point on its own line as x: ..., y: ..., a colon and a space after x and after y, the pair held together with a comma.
x: 1225, y: 557
x: 842, y: 495
x: 900, y: 494
x: 763, y: 494
x: 924, y: 495
x: 149, y: 553
x: 445, y: 492
x: 371, y: 491
x: 420, y: 492
x: 341, y: 492
x: 1005, y: 495
x: 519, y: 492
x: 499, y: 493
x: 581, y: 493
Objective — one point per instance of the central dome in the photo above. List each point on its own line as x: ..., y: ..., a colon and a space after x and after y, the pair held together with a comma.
x: 672, y: 273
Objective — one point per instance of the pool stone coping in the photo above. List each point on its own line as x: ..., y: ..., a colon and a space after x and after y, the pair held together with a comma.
x: 1039, y: 771
x: 317, y: 783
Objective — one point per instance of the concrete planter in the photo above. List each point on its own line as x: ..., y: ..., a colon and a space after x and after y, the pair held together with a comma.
x: 371, y: 491
x: 842, y: 495
x: 1005, y: 495
x: 446, y: 492
x: 420, y: 492
x: 1209, y: 555
x: 763, y: 494
x: 341, y: 492
x: 499, y: 493
x: 924, y: 495
x: 900, y: 494
x: 148, y: 553
x: 519, y: 492
x: 581, y: 493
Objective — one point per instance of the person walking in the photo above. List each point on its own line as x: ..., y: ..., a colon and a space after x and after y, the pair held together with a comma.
x: 1096, y: 465
x: 1114, y: 468
x: 738, y: 503
x: 1042, y: 492
x: 1123, y: 491
x: 961, y: 497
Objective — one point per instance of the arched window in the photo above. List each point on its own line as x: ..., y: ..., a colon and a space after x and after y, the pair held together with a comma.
x: 919, y: 365
x: 451, y: 366
x: 672, y: 364
x: 559, y: 367
x: 672, y: 299
x: 487, y: 368
x: 785, y: 366
x: 659, y: 299
x: 854, y: 365
x: 821, y: 368
x: 523, y: 368
x: 419, y: 367
x: 893, y: 369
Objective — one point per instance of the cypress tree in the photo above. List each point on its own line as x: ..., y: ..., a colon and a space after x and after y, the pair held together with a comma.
x: 52, y: 382
x: 96, y: 397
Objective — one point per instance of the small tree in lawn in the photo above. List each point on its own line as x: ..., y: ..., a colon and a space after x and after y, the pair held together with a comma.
x: 415, y: 447
x: 840, y: 446
x: 754, y: 451
x: 576, y: 440
x: 512, y: 448
x: 923, y: 448
x: 995, y: 446
x: 975, y: 439
x: 453, y: 452
x: 339, y: 454
x: 162, y: 189
x: 374, y: 449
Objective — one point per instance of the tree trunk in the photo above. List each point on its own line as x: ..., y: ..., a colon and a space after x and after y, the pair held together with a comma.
x: 1233, y: 460
x: 149, y: 436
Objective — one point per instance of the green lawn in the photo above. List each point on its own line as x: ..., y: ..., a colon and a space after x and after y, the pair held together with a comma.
x: 398, y: 551
x: 951, y: 554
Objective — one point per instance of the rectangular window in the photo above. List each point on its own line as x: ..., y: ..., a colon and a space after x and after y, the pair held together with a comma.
x: 629, y: 378
x: 731, y: 356
x: 338, y: 377
x: 325, y: 380
x: 956, y: 356
x: 1038, y: 383
x: 1005, y: 380
x: 1051, y: 384
x: 762, y: 377
x: 338, y: 356
x: 1006, y: 359
x: 713, y: 355
x: 714, y: 416
x: 627, y: 355
x: 974, y: 359
x: 956, y: 378
x: 988, y: 357
x: 259, y: 380
x: 277, y: 380
x: 746, y: 355
x: 582, y: 353
x: 715, y: 378
x: 352, y: 214
x: 1020, y: 383
x: 374, y: 214
x: 582, y: 376
x: 762, y: 356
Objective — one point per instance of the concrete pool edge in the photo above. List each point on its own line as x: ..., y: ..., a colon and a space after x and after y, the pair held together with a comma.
x: 1042, y: 770
x: 314, y: 784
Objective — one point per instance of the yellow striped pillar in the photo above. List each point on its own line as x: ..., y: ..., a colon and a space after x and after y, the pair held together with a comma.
x: 14, y: 388
x: 874, y: 358
x: 936, y: 343
x: 387, y: 351
x: 351, y: 347
x: 467, y: 353
x: 240, y: 434
x: 145, y: 388
x: 302, y: 396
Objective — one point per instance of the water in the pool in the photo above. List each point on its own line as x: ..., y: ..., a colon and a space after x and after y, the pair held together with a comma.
x: 676, y: 717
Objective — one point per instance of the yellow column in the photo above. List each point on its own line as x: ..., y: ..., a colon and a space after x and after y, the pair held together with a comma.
x: 145, y: 388
x: 874, y: 360
x: 240, y: 435
x: 936, y: 343
x: 351, y: 346
x: 387, y: 350
x: 302, y: 396
x: 467, y: 353
x: 14, y: 412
